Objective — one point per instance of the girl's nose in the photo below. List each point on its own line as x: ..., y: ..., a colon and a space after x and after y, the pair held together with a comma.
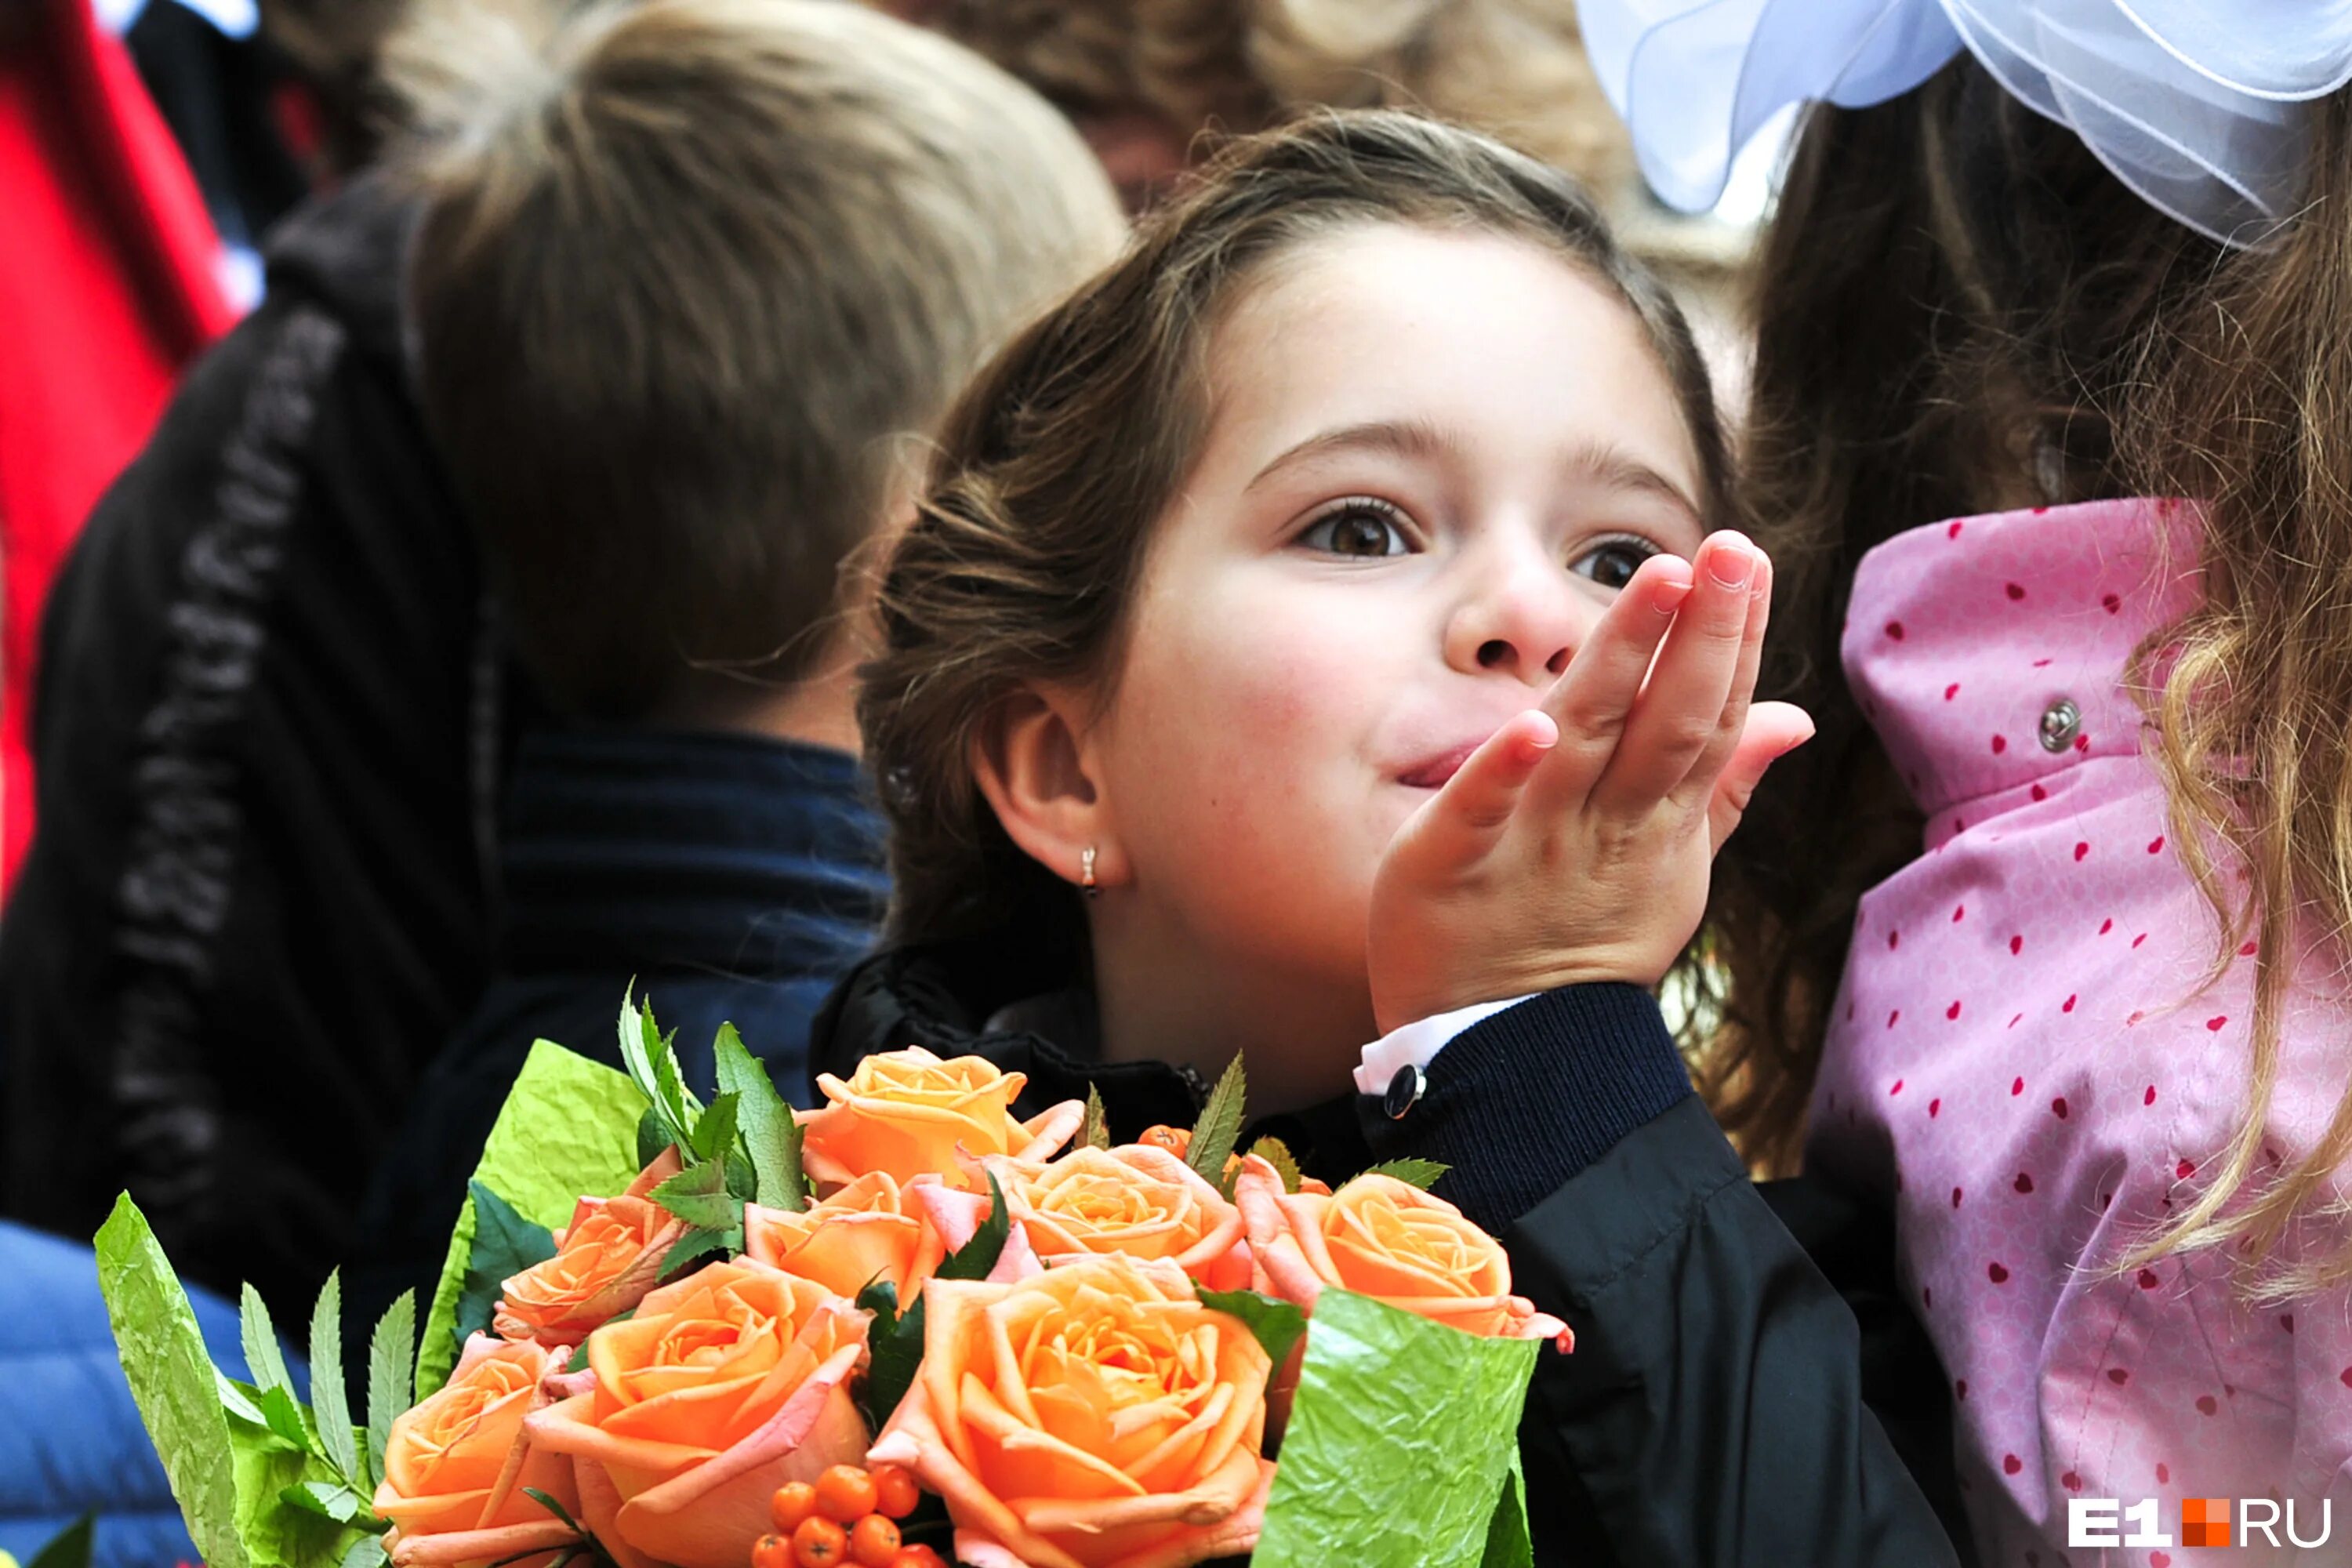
x: 1525, y: 620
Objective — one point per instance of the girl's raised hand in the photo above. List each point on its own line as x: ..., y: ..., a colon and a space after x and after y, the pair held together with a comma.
x: 1575, y: 845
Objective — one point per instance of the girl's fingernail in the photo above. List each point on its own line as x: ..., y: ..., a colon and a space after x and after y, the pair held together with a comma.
x: 1732, y: 564
x: 1668, y: 597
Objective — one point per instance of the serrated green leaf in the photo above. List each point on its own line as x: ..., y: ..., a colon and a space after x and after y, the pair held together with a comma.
x: 771, y: 1138
x: 1276, y: 1152
x: 282, y: 1418
x: 714, y: 1132
x: 392, y: 1374
x: 367, y: 1551
x: 697, y: 1195
x: 332, y: 1500
x: 567, y: 1131
x: 1400, y: 1437
x: 1220, y: 1124
x: 1276, y: 1323
x: 1095, y: 1134
x: 975, y: 1258
x: 331, y: 1406
x: 238, y: 1399
x: 262, y: 1356
x: 505, y: 1244
x: 652, y: 1061
x: 894, y: 1357
x: 70, y: 1547
x: 699, y: 1242
x: 1412, y: 1173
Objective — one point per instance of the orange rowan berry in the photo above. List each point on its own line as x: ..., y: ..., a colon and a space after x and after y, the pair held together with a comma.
x: 873, y: 1542
x: 772, y: 1552
x: 820, y: 1544
x: 794, y: 1501
x: 918, y: 1557
x: 896, y: 1491
x: 844, y: 1494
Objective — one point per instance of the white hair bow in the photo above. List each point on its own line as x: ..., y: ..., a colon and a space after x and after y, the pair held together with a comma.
x: 2198, y: 105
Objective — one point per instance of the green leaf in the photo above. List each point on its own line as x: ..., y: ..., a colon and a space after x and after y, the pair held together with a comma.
x: 172, y: 1379
x: 568, y: 1131
x: 330, y: 1399
x: 1509, y: 1543
x: 553, y: 1507
x: 697, y: 1195
x: 276, y: 1533
x: 1276, y: 1152
x: 1095, y: 1133
x: 1277, y: 1324
x: 238, y: 1399
x: 1402, y: 1435
x: 1220, y: 1124
x: 880, y: 1297
x: 392, y: 1374
x: 896, y: 1354
x: 770, y: 1135
x: 652, y: 1137
x: 367, y: 1551
x: 648, y: 1055
x: 505, y: 1244
x: 266, y: 1361
x: 282, y: 1417
x: 1412, y: 1173
x: 699, y: 1242
x: 714, y: 1133
x: 334, y: 1500
x: 975, y: 1258
x: 895, y: 1357
x: 70, y: 1547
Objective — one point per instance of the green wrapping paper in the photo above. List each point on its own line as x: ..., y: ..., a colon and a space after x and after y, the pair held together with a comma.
x: 1402, y: 1448
x: 568, y: 1131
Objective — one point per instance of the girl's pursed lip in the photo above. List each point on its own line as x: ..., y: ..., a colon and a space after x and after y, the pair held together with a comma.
x: 1434, y: 772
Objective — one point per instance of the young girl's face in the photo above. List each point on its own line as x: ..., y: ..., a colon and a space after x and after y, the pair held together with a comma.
x: 1431, y: 459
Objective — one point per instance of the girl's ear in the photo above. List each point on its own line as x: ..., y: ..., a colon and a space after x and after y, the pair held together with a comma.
x: 1028, y: 760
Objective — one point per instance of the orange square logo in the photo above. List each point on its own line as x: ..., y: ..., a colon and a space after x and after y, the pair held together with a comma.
x: 2205, y: 1522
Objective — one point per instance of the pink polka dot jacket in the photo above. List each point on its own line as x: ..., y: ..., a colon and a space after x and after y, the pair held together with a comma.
x: 2021, y: 1055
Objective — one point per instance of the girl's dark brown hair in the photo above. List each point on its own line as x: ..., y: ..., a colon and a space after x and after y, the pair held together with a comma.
x: 1056, y: 465
x: 1961, y: 311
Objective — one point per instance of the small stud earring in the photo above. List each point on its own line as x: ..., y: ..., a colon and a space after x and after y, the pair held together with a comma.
x: 1086, y: 872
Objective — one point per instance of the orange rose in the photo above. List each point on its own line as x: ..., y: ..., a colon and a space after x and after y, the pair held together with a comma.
x: 456, y: 1467
x: 724, y: 1386
x: 910, y: 1114
x: 605, y: 1261
x: 1096, y: 1415
x: 1137, y: 1199
x: 1389, y: 1240
x: 867, y: 1231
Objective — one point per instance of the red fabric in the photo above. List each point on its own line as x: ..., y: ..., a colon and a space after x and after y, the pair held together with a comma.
x: 107, y: 289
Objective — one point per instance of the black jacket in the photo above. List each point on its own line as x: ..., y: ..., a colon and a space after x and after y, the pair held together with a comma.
x: 1724, y: 1404
x: 727, y: 879
x: 255, y: 902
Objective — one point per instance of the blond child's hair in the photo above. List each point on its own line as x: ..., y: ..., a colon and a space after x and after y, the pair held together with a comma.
x: 1515, y: 68
x: 687, y: 272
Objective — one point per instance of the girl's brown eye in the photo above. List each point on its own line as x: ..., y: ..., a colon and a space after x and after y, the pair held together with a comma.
x: 1358, y: 531
x: 1613, y: 562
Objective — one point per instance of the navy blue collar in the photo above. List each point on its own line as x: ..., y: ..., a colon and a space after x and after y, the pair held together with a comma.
x: 729, y: 853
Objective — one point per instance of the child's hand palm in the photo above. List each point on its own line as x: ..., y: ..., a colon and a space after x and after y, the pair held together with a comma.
x: 1576, y: 844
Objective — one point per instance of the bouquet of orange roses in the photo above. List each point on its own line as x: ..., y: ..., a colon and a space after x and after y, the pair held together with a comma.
x: 902, y: 1327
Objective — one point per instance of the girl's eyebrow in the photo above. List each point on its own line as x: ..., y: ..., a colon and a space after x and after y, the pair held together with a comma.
x: 1610, y: 464
x: 1617, y: 469
x: 1396, y: 437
